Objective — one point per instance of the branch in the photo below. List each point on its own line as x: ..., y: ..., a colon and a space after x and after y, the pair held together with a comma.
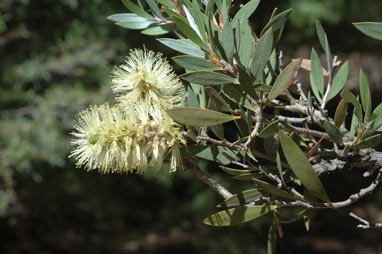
x: 365, y: 224
x: 211, y: 182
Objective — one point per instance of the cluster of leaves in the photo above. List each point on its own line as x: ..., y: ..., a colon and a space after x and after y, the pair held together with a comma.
x: 279, y: 128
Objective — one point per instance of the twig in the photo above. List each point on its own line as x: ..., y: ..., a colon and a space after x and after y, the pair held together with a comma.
x: 365, y: 224
x: 258, y: 119
x: 211, y: 182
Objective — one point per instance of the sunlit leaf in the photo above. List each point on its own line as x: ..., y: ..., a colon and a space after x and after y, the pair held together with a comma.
x: 198, y: 116
x: 372, y: 29
x: 339, y: 81
x: 241, y: 198
x: 238, y: 215
x: 207, y: 78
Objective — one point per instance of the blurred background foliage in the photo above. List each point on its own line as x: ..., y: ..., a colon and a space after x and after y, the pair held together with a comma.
x: 55, y: 60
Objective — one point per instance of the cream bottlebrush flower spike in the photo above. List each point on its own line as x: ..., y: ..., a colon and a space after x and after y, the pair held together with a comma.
x: 128, y: 139
x: 148, y: 78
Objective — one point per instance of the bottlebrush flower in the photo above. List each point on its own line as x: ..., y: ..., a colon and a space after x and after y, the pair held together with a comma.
x: 125, y: 139
x: 148, y: 78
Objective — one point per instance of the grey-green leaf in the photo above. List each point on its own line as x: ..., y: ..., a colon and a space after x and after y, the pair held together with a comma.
x: 301, y: 167
x: 218, y: 100
x: 183, y: 46
x: 269, y: 130
x: 237, y: 215
x: 207, y: 78
x: 245, y: 12
x: 198, y: 116
x: 365, y: 93
x: 285, y: 79
x: 136, y: 9
x: 316, y: 73
x: 131, y: 21
x: 271, y: 189
x: 339, y: 81
x: 333, y: 132
x: 350, y: 98
x: 241, y: 198
x: 372, y: 29
x: 193, y: 63
x: 261, y: 54
x: 369, y: 142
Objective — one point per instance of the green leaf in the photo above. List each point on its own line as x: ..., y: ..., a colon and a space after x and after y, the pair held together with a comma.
x: 183, y: 46
x: 272, y: 239
x: 269, y: 130
x: 227, y: 41
x: 247, y: 176
x: 199, y: 19
x: 365, y: 93
x: 371, y: 29
x: 198, y: 116
x: 369, y: 142
x: 192, y: 99
x: 237, y: 215
x: 324, y: 44
x: 190, y: 33
x: 210, y: 153
x: 136, y: 9
x: 277, y: 22
x: 241, y: 198
x: 131, y: 21
x: 245, y: 12
x: 285, y: 79
x: 246, y: 43
x: 372, y: 127
x: 333, y: 132
x: 233, y: 92
x: 166, y: 3
x: 157, y: 30
x: 218, y: 131
x: 350, y: 98
x: 193, y: 63
x: 316, y: 74
x: 376, y: 113
x: 261, y: 54
x: 246, y: 82
x: 271, y: 189
x: 234, y: 171
x: 339, y: 81
x: 218, y: 100
x: 308, y: 217
x: 341, y: 112
x: 154, y: 7
x: 207, y: 78
x: 301, y: 167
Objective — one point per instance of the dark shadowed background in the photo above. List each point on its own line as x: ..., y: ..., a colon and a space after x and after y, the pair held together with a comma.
x: 55, y: 60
